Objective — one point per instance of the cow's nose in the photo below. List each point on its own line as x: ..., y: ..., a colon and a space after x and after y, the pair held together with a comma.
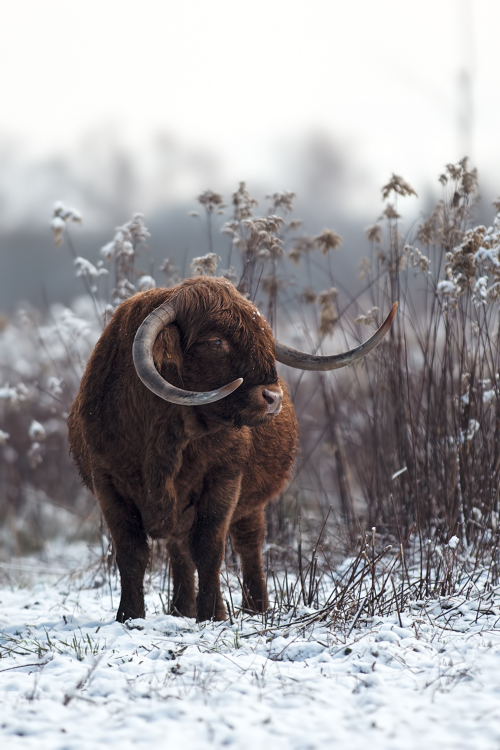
x: 274, y: 399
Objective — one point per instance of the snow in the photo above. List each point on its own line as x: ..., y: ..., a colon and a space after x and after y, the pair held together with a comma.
x: 57, y: 223
x: 85, y: 268
x: 488, y: 396
x: 9, y: 394
x: 489, y: 256
x: 71, y: 677
x: 107, y: 251
x: 447, y: 287
x: 146, y: 282
x: 399, y: 472
x: 466, y: 436
x: 36, y: 431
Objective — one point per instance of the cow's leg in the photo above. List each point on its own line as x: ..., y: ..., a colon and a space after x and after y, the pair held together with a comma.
x: 247, y: 535
x: 207, y: 540
x: 131, y: 545
x: 182, y: 567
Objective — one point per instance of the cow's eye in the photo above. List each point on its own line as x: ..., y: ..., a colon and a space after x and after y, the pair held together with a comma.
x: 216, y: 344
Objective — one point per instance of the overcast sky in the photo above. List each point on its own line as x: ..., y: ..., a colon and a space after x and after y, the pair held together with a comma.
x: 245, y: 79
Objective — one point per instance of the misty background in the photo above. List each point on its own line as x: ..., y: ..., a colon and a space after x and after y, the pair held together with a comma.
x: 117, y: 107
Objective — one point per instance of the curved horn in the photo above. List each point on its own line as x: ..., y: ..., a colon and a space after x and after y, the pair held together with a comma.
x: 142, y: 353
x: 303, y: 361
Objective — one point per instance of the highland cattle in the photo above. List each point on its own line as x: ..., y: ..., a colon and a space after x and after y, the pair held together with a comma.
x: 183, y: 430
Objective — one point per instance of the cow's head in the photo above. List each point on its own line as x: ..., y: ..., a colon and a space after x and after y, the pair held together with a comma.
x: 208, y: 334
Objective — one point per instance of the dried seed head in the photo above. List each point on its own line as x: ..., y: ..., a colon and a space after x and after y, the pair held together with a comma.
x: 60, y: 217
x: 328, y: 316
x: 328, y: 297
x: 416, y: 258
x: 478, y: 252
x: 263, y: 240
x: 328, y: 240
x: 138, y: 229
x: 58, y: 226
x: 400, y: 263
x: 369, y: 319
x: 390, y: 212
x: 272, y: 285
x: 303, y: 246
x: 211, y: 200
x: 243, y: 203
x: 430, y: 232
x: 87, y: 270
x: 170, y: 271
x: 231, y: 228
x: 364, y: 267
x: 308, y: 297
x: 282, y: 200
x: 205, y: 265
x: 466, y: 179
x: 469, y: 181
x: 374, y: 233
x: 453, y: 171
x: 124, y: 290
x: 328, y: 319
x: 231, y: 274
x: 397, y: 185
x: 122, y: 247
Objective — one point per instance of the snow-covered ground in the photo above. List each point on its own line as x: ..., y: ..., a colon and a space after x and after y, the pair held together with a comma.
x: 73, y: 678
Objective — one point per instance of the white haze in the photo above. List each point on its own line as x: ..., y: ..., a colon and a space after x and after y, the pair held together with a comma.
x: 242, y: 87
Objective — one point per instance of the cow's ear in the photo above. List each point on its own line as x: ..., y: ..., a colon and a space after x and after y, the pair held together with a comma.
x: 167, y: 353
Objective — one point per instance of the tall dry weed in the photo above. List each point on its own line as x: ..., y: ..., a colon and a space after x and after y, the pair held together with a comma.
x: 407, y: 441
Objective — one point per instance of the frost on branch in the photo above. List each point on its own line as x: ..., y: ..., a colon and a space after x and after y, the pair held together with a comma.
x: 122, y: 250
x: 60, y: 218
x: 369, y: 319
x: 37, y: 431
x: 54, y: 386
x: 474, y: 265
x: 146, y: 282
x: 85, y: 268
x: 13, y: 396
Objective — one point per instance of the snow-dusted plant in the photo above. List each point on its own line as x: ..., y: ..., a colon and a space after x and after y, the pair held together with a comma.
x: 122, y: 251
x: 205, y: 265
x: 61, y: 217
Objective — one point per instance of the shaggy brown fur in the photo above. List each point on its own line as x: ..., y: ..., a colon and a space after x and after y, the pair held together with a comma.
x: 188, y: 474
